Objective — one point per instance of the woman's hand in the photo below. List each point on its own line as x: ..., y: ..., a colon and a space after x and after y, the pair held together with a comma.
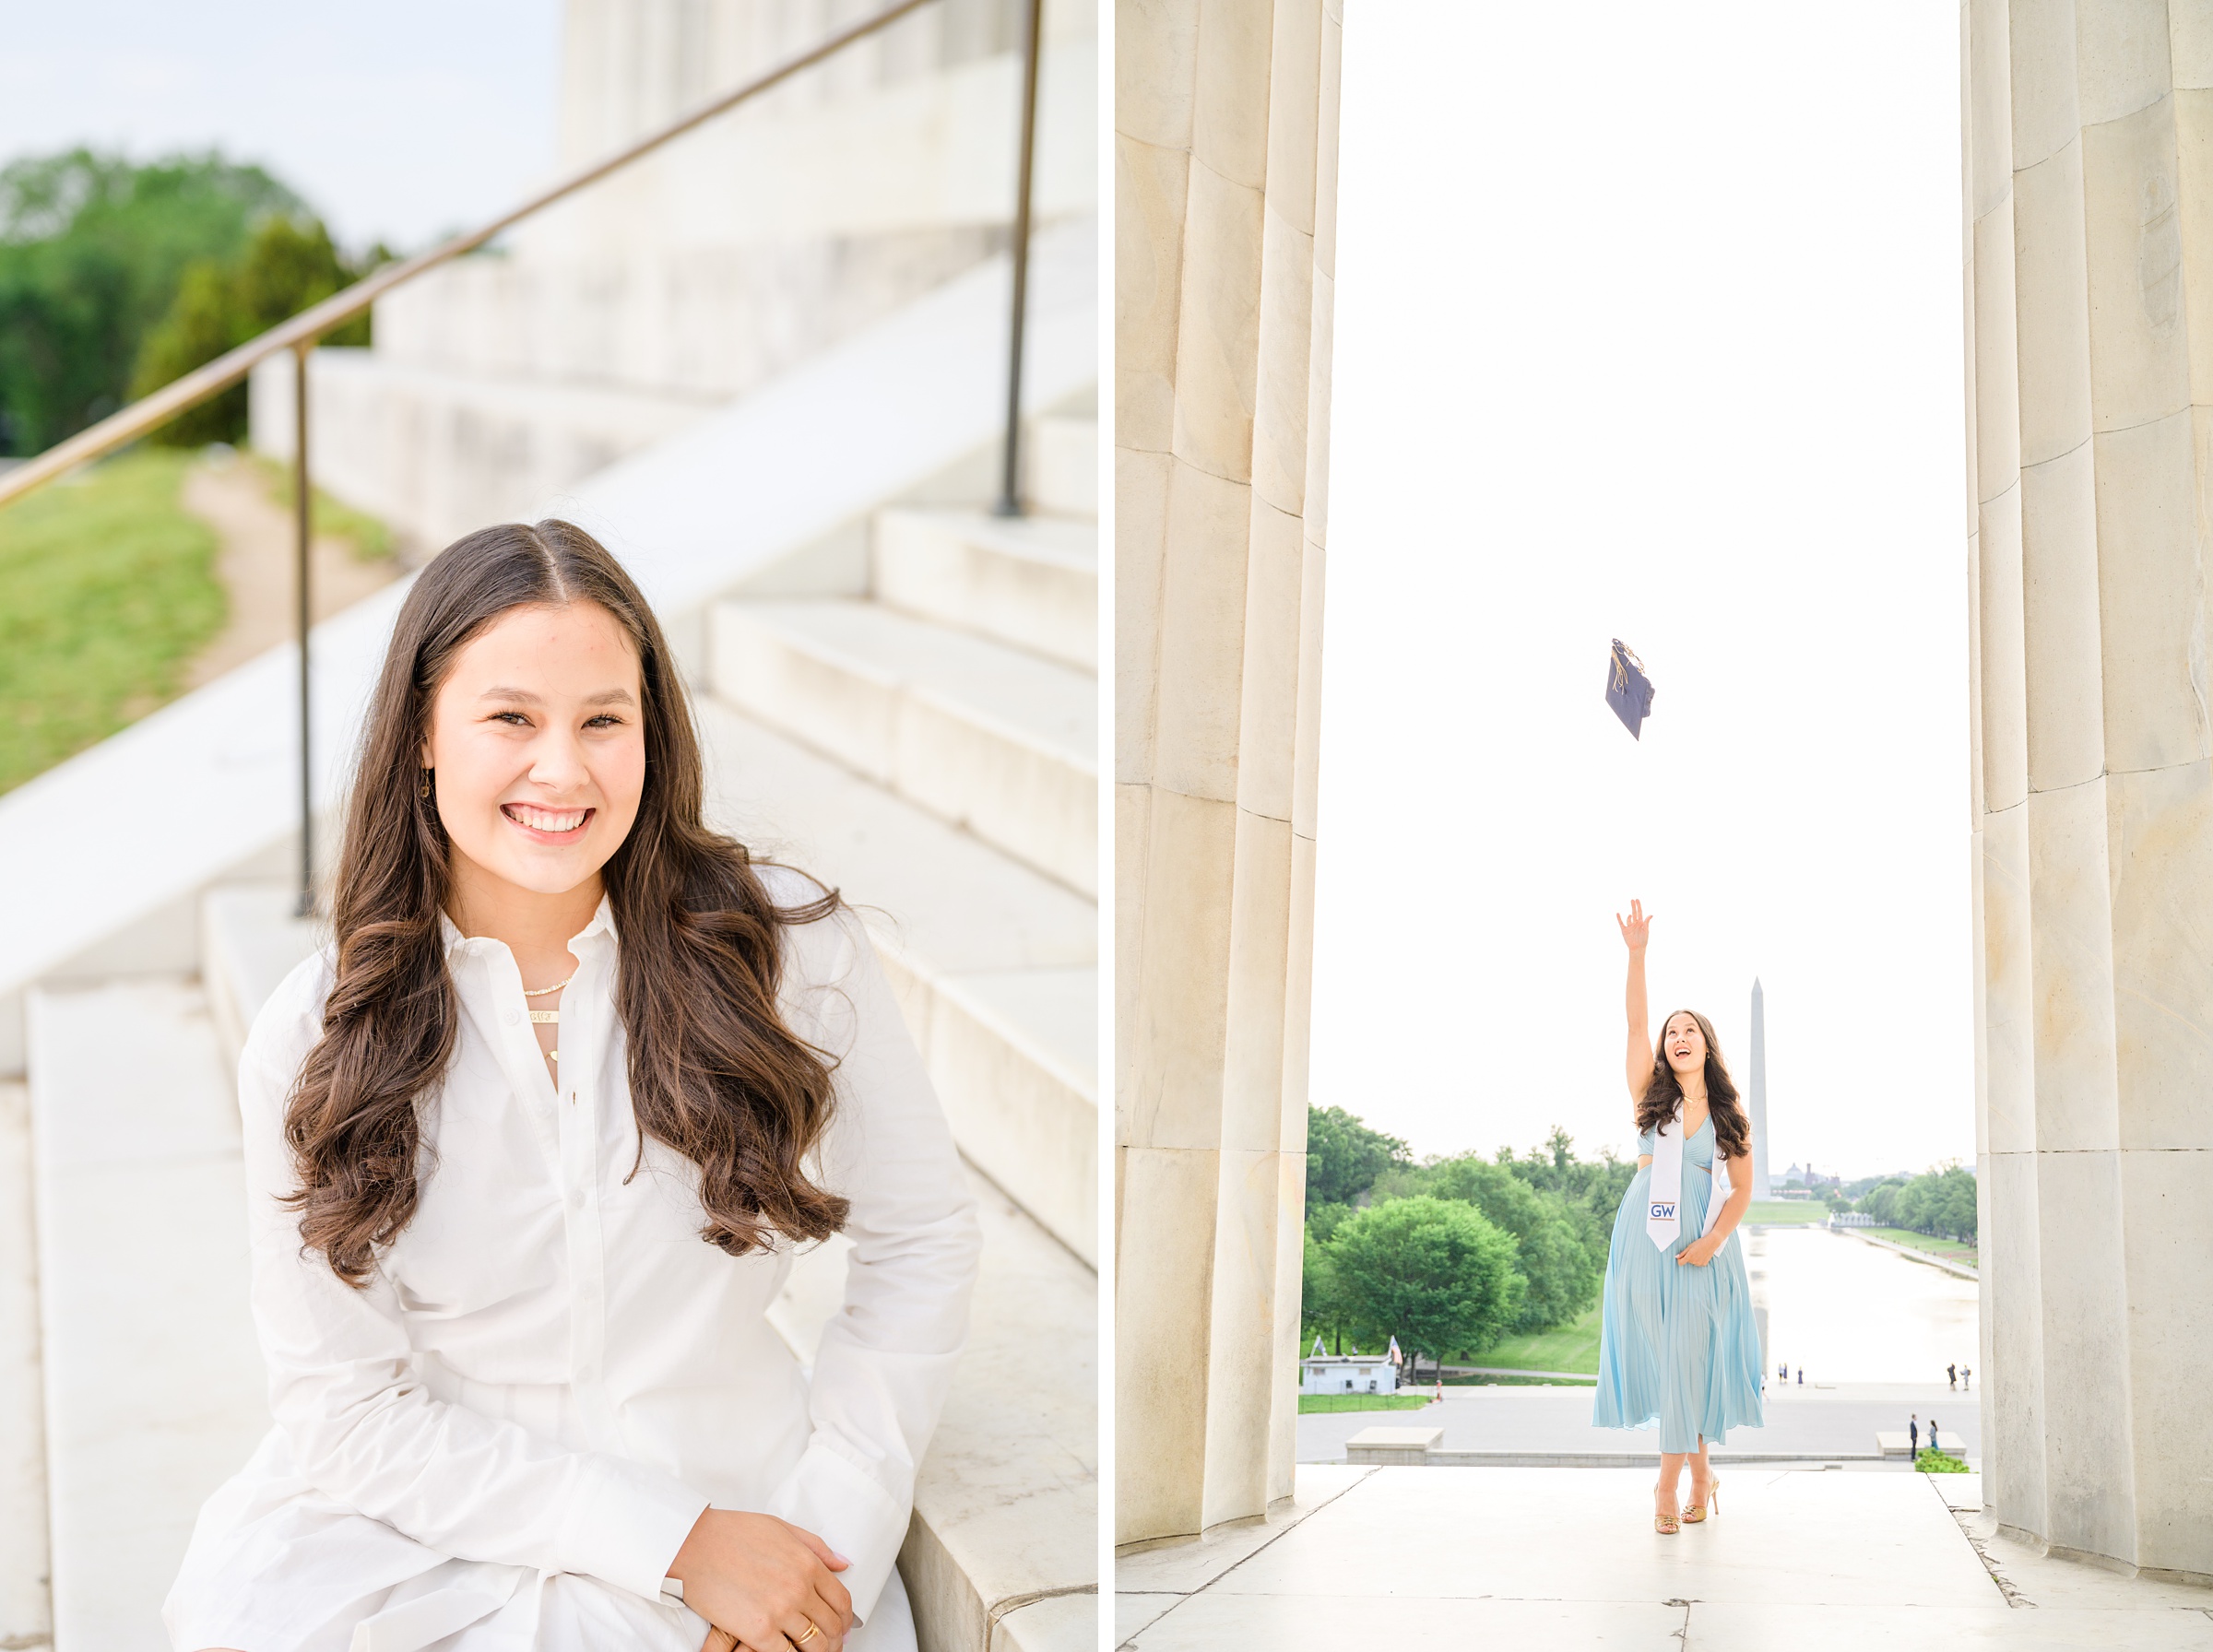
x: 1635, y: 929
x: 1698, y: 1252
x: 762, y: 1581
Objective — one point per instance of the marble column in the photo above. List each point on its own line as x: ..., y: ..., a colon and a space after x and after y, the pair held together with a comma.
x: 1225, y: 116
x: 2089, y: 191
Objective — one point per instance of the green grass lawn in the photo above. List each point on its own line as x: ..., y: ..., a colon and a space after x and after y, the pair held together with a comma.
x: 1572, y: 1347
x: 107, y: 590
x: 1951, y: 1249
x: 1361, y: 1402
x: 1786, y: 1210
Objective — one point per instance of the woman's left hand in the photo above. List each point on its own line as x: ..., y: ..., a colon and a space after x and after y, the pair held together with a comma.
x: 1697, y: 1252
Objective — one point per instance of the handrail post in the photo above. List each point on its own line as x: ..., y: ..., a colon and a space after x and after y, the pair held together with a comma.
x: 303, y: 526
x: 1010, y: 498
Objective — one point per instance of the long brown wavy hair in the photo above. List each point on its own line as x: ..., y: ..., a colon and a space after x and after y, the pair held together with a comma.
x: 714, y: 1072
x: 1663, y: 1092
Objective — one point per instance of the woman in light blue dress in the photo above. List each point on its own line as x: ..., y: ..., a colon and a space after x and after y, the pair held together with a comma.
x: 1679, y: 1348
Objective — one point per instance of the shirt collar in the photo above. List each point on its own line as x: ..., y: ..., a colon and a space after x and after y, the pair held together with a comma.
x: 602, y: 924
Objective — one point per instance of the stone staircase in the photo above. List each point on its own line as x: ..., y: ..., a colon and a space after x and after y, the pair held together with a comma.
x: 927, y: 742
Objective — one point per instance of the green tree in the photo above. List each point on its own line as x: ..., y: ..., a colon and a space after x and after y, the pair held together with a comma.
x: 1592, y: 1188
x: 93, y: 249
x: 1436, y: 1274
x: 1561, y: 1276
x: 1345, y: 1157
x: 1938, y: 1202
x: 288, y: 266
x: 1881, y: 1202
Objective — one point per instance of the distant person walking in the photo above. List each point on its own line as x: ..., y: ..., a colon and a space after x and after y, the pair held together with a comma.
x: 1679, y: 1348
x: 1914, y: 1433
x: 1933, y: 1446
x: 1951, y: 1376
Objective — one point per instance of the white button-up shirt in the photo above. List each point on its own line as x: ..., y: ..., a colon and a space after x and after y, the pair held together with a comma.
x: 551, y: 1374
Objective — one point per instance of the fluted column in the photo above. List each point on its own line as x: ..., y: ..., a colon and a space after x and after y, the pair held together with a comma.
x: 2090, y: 267
x: 1225, y: 134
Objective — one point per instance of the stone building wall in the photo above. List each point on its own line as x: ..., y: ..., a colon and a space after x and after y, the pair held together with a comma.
x: 2088, y: 187
x: 626, y: 313
x: 1225, y: 142
x: 775, y: 229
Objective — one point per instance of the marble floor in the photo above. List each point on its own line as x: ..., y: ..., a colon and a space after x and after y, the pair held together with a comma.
x: 1565, y: 1557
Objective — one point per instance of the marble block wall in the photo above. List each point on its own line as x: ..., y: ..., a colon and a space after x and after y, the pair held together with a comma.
x: 778, y: 228
x: 1225, y: 134
x: 2088, y: 193
x: 706, y: 271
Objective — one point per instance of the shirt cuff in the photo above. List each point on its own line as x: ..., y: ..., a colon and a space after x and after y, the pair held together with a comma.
x: 841, y: 1504
x: 625, y: 1523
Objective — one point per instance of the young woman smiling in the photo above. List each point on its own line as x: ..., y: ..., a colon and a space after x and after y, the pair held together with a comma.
x: 1678, y: 1347
x: 528, y: 1147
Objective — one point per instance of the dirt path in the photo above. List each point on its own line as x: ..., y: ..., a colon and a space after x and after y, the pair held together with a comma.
x: 255, y: 565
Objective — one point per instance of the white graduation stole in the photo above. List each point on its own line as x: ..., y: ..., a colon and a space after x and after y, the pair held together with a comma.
x: 1662, y: 1221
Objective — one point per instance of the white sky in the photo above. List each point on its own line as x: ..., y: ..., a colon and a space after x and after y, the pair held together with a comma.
x: 1648, y: 326
x: 403, y: 120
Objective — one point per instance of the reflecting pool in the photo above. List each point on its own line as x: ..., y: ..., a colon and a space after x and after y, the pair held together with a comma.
x: 1851, y: 1312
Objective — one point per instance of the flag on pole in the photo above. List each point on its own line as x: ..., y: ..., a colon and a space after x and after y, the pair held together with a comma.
x: 1396, y: 1357
x: 1317, y: 1353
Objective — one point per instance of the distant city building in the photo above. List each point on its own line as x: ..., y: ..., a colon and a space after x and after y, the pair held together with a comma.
x: 1760, y: 1094
x: 1347, y: 1373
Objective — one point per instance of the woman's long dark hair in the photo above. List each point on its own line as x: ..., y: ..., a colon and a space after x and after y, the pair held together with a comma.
x: 714, y: 1072
x: 1664, y: 1093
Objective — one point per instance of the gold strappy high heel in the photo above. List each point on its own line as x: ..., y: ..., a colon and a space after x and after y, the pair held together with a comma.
x: 1666, y: 1524
x: 1697, y: 1511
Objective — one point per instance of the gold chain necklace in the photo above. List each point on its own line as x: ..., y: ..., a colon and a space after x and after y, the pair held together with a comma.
x: 547, y: 1017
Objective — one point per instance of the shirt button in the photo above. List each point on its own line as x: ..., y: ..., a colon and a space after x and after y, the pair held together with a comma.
x: 511, y: 1016
x: 587, y: 1374
x: 576, y: 1200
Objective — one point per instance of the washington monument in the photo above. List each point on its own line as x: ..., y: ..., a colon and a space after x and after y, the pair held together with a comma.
x: 1760, y: 1091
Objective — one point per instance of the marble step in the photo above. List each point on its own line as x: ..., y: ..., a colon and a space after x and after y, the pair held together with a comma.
x: 153, y: 1379
x: 1030, y: 581
x: 1064, y: 465
x: 982, y: 734
x: 24, y: 1618
x: 996, y: 965
x: 1005, y: 1528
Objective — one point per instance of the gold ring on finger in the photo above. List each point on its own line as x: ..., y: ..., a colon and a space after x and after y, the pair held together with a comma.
x: 813, y: 1628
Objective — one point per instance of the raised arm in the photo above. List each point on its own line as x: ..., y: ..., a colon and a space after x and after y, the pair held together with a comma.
x: 1635, y: 929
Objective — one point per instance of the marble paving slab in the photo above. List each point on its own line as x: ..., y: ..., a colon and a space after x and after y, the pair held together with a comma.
x: 1587, y: 1534
x: 1729, y: 1627
x: 1212, y: 1623
x: 1565, y: 1557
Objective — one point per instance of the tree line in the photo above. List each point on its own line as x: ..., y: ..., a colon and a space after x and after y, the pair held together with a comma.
x: 117, y: 278
x: 1940, y: 1203
x: 1451, y: 1254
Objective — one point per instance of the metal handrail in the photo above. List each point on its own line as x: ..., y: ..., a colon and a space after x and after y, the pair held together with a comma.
x: 301, y: 334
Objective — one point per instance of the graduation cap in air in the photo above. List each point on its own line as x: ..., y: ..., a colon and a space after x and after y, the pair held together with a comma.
x: 1628, y: 690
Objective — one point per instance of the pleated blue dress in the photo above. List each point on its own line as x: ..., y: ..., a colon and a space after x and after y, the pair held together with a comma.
x: 1678, y: 1347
